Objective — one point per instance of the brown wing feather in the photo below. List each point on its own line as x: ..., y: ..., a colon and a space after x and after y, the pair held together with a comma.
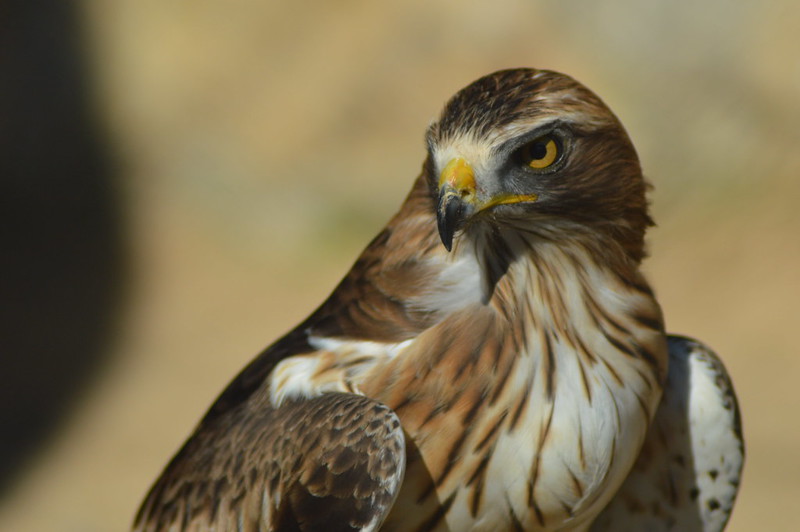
x: 334, y: 462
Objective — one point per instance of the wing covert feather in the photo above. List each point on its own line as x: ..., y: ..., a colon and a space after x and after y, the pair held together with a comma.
x: 687, y: 475
x: 333, y: 462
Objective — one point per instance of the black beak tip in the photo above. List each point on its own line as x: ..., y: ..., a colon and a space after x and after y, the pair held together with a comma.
x: 446, y: 234
x: 448, y: 218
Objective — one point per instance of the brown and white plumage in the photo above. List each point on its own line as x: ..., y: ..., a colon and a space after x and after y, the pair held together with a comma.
x: 493, y: 360
x: 688, y: 472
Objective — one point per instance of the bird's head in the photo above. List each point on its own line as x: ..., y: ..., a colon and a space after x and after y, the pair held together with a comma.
x: 535, y: 147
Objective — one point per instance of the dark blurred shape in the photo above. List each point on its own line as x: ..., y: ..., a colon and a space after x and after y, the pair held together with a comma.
x: 62, y: 252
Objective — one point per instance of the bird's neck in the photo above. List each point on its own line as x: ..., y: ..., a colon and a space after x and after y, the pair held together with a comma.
x: 569, y: 290
x: 542, y: 260
x: 583, y: 294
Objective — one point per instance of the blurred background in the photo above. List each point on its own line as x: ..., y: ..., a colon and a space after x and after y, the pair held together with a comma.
x: 184, y: 181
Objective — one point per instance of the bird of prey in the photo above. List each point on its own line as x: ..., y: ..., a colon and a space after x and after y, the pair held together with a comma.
x: 494, y: 360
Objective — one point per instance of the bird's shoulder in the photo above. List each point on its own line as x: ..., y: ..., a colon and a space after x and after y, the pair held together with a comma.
x: 688, y: 472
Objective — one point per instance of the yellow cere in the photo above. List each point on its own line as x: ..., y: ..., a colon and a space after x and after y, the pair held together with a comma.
x: 539, y: 160
x: 458, y: 174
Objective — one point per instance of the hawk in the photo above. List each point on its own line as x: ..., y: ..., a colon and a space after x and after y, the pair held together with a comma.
x: 494, y: 360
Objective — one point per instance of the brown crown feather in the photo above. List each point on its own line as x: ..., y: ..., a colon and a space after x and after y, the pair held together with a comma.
x: 600, y: 185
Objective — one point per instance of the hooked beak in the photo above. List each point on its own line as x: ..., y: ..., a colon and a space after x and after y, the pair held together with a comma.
x: 456, y: 199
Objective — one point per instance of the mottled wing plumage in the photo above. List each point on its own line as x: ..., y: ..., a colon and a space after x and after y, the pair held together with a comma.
x: 333, y: 462
x: 520, y: 348
x: 687, y: 475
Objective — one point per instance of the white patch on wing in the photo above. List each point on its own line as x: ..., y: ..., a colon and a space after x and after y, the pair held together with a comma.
x: 336, y: 366
x: 345, y: 347
x: 717, y: 448
x: 688, y: 473
x: 293, y: 377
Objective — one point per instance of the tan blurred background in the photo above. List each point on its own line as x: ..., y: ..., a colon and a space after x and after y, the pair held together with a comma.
x: 245, y: 151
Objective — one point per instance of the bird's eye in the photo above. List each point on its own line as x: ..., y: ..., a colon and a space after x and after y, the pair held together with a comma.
x: 540, y: 153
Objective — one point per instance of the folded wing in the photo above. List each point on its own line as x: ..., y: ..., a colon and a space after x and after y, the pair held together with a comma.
x: 687, y: 475
x: 333, y: 462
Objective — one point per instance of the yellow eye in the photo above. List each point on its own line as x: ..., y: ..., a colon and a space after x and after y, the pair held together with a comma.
x: 540, y: 153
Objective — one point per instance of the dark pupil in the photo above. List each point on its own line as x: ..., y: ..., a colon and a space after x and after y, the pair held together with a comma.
x: 538, y: 150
